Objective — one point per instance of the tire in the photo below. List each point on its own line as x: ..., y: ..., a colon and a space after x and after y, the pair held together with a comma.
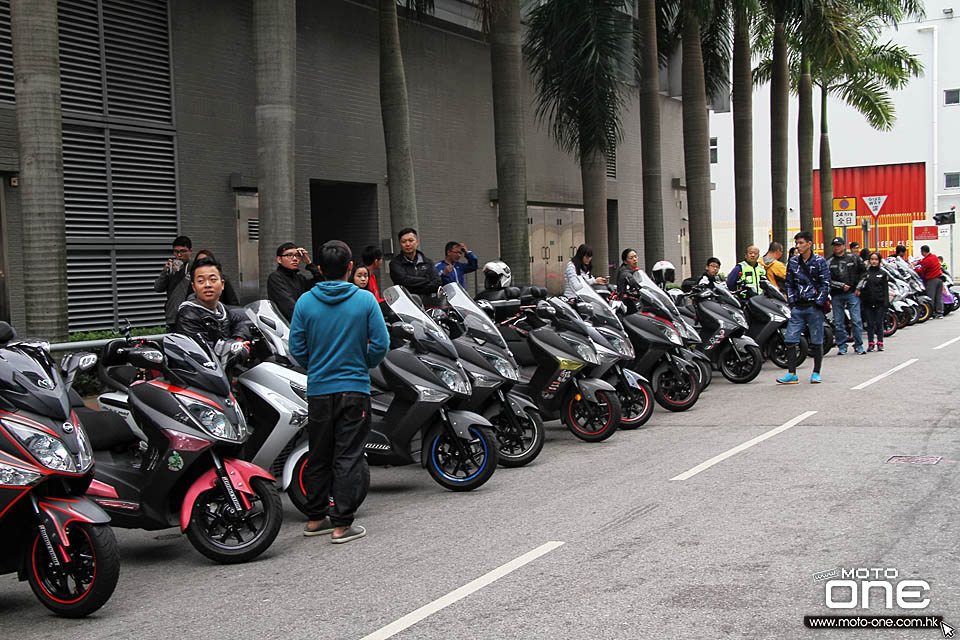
x: 829, y: 340
x: 517, y: 450
x: 636, y: 406
x: 901, y: 319
x: 913, y: 314
x: 267, y: 517
x: 742, y: 369
x: 96, y: 569
x: 890, y: 323
x: 672, y: 393
x: 483, y: 452
x: 297, y: 492
x: 925, y: 312
x: 592, y: 421
x: 777, y: 351
x: 706, y: 370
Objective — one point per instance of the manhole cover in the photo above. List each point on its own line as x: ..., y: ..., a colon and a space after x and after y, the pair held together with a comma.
x: 915, y: 459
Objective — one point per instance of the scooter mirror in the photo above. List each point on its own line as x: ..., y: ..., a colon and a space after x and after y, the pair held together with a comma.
x: 545, y: 311
x: 402, y: 330
x: 81, y: 361
x: 585, y: 309
x: 145, y: 358
x: 487, y: 308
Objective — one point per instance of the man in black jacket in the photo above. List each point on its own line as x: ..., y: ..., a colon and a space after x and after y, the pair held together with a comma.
x: 412, y: 269
x: 288, y: 283
x: 174, y: 280
x: 846, y: 271
x: 203, y: 314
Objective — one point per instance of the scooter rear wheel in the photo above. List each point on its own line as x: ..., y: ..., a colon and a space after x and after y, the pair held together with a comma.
x: 447, y: 464
x: 777, y: 351
x: 297, y: 491
x: 88, y: 582
x: 740, y: 368
x: 217, y: 531
x: 592, y: 421
x: 672, y: 392
x: 890, y: 324
x: 519, y: 449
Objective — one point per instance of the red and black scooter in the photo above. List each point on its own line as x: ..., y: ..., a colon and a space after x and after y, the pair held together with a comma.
x: 50, y: 533
x: 188, y: 472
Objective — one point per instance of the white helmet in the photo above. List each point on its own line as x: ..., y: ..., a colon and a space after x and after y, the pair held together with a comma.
x: 496, y: 275
x: 663, y: 272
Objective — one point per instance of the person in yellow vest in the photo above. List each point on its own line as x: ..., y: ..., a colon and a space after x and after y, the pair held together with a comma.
x: 747, y: 273
x: 776, y: 270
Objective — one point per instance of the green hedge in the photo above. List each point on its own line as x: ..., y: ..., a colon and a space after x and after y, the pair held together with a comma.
x: 88, y: 384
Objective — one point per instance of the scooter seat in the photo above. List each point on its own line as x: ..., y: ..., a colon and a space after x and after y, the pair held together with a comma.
x: 377, y: 379
x: 106, y: 430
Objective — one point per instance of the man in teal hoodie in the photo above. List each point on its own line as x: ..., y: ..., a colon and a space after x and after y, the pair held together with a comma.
x: 337, y: 333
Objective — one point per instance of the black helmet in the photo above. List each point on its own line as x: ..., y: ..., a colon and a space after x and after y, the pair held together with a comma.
x: 838, y: 242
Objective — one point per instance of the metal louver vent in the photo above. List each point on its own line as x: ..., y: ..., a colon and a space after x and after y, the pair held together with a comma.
x: 143, y: 176
x: 136, y: 300
x: 90, y: 290
x: 85, y: 182
x: 6, y: 54
x: 81, y: 84
x: 611, y: 155
x: 137, y: 44
x: 253, y: 230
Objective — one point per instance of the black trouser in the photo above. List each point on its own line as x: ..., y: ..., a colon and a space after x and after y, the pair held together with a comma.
x: 934, y: 288
x: 337, y: 472
x: 873, y: 319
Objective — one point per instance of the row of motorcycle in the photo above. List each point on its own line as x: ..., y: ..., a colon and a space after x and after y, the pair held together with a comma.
x: 200, y: 437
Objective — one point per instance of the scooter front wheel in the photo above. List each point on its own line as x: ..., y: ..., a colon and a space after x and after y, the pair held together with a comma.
x: 592, y: 421
x: 225, y: 535
x: 890, y: 323
x: 519, y: 445
x: 458, y: 464
x: 636, y: 405
x: 297, y: 491
x: 777, y: 351
x: 740, y: 368
x: 85, y: 584
x: 673, y: 392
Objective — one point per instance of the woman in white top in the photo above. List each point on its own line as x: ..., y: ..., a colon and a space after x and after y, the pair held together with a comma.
x: 579, y: 265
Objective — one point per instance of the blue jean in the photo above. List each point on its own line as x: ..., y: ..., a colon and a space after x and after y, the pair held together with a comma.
x: 808, y: 317
x: 841, y: 301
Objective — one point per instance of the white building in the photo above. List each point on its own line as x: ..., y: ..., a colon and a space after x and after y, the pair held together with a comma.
x: 927, y: 130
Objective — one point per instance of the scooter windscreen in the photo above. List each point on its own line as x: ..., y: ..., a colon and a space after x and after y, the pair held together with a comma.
x: 193, y: 361
x: 477, y: 323
x: 31, y: 381
x: 666, y: 308
x: 426, y: 331
x: 601, y: 310
x: 773, y: 292
x: 569, y: 316
x: 274, y: 327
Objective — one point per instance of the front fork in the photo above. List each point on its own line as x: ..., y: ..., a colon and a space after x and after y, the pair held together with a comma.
x: 57, y: 560
x: 239, y: 501
x: 453, y: 434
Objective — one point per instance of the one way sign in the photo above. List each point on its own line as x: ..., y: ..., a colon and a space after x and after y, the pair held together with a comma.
x: 874, y: 203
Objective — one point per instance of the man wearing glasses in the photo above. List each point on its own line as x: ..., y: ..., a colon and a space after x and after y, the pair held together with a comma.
x: 173, y: 279
x: 288, y: 282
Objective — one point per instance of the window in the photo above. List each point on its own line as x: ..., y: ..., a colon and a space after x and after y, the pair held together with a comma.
x: 951, y: 96
x: 713, y: 151
x: 951, y: 180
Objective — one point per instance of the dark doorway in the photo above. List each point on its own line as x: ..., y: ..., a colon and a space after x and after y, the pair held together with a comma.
x: 613, y: 235
x: 4, y: 294
x: 344, y: 211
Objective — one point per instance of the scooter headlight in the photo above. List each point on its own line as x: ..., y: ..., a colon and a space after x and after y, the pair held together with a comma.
x: 85, y: 458
x: 11, y: 476
x: 583, y: 350
x: 776, y: 317
x: 455, y: 380
x: 740, y: 318
x: 48, y: 450
x: 671, y: 334
x: 214, y: 421
x: 501, y: 364
x: 623, y: 347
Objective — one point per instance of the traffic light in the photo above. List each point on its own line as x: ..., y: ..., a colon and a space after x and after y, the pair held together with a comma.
x: 947, y: 217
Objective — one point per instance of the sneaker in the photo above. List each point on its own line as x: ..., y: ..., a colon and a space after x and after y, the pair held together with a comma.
x: 842, y: 349
x: 879, y: 346
x: 815, y: 378
x: 354, y: 532
x: 325, y: 527
x: 871, y: 346
x: 860, y: 351
x: 790, y: 378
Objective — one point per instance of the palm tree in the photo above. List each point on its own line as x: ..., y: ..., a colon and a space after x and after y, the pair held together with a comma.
x: 648, y: 73
x: 275, y: 44
x: 861, y: 81
x: 576, y: 54
x: 36, y: 56
x: 743, y: 123
x: 805, y: 142
x: 501, y: 19
x: 395, y: 113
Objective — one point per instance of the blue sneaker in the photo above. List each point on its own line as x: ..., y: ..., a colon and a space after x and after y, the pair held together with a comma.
x: 790, y: 378
x: 860, y: 351
x: 815, y: 378
x: 842, y: 349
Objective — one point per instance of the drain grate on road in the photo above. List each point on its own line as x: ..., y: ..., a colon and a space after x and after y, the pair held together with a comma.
x: 915, y: 459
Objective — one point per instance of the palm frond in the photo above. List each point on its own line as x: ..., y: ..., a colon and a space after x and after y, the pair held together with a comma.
x: 870, y: 98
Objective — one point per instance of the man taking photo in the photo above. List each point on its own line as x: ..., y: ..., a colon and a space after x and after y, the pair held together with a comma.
x: 288, y: 283
x: 174, y: 279
x: 451, y: 269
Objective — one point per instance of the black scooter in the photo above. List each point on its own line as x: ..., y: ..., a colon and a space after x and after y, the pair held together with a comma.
x: 768, y: 314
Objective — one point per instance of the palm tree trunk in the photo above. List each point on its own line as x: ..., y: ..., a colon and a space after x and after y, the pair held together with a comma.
x: 650, y: 152
x: 275, y: 44
x: 36, y: 55
x: 593, y: 175
x: 826, y: 175
x: 395, y: 111
x: 506, y: 66
x: 742, y: 133
x: 805, y: 143
x: 696, y: 144
x: 779, y: 133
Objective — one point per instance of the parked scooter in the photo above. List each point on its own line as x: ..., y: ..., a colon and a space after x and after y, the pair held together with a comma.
x: 768, y: 313
x: 664, y: 273
x: 51, y: 535
x: 187, y: 471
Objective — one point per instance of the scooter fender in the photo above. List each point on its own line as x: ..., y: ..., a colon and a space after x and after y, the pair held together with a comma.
x: 461, y: 421
x: 291, y: 465
x: 518, y: 405
x: 741, y: 343
x: 700, y: 355
x: 588, y: 387
x: 240, y: 474
x: 633, y: 378
x: 57, y: 513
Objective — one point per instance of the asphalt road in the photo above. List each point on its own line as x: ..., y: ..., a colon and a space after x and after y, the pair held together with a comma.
x: 728, y: 552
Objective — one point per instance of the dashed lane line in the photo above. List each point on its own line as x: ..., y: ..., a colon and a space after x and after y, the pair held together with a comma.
x: 947, y: 343
x: 864, y: 385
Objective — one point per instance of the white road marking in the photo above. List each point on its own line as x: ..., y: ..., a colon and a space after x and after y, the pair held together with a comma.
x: 414, y: 617
x: 947, y: 343
x: 741, y: 447
x: 864, y: 385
